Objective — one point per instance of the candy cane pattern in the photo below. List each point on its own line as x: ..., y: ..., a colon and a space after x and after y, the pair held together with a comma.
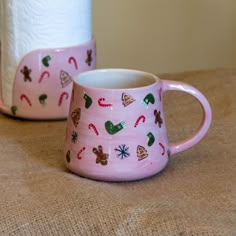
x: 92, y: 126
x: 139, y: 119
x: 43, y: 75
x: 81, y: 150
x: 64, y: 94
x: 73, y: 60
x: 163, y: 148
x: 101, y: 104
x: 23, y: 96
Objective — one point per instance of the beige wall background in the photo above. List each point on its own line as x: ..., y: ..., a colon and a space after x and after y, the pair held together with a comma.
x: 165, y: 35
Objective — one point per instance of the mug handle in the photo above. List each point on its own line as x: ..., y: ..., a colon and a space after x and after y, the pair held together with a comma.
x: 168, y: 85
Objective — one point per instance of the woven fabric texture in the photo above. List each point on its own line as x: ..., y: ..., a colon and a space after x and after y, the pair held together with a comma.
x: 194, y: 195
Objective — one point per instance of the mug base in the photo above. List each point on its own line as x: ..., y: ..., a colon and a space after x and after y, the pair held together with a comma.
x: 122, y: 177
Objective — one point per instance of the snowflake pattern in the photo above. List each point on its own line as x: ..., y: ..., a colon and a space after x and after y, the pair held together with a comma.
x: 74, y: 137
x: 122, y: 151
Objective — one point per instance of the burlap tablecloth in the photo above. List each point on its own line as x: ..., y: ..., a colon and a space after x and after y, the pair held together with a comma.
x: 195, y: 195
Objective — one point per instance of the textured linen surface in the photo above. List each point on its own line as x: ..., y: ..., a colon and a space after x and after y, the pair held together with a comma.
x: 194, y: 195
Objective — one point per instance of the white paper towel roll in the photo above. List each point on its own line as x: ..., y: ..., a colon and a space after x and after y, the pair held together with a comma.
x: 38, y: 24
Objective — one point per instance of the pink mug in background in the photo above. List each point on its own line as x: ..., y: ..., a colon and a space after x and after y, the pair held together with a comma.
x: 116, y: 129
x: 43, y: 81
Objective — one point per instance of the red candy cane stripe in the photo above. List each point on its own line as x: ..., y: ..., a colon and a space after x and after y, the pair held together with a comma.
x: 92, y: 126
x: 64, y: 94
x: 101, y: 104
x: 73, y: 60
x: 43, y: 75
x: 139, y: 119
x: 81, y: 150
x: 23, y: 96
x: 163, y: 148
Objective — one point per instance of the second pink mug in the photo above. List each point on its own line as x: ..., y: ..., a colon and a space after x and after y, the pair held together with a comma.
x: 116, y: 129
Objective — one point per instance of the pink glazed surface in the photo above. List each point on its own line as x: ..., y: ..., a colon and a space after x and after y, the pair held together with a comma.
x: 120, y: 134
x: 123, y: 149
x: 43, y: 81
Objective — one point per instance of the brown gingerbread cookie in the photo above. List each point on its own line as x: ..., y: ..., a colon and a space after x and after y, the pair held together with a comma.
x: 158, y: 118
x: 75, y: 116
x: 101, y: 156
x: 26, y: 72
x: 89, y: 57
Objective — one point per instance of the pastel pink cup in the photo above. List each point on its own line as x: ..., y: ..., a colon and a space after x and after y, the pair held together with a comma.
x: 116, y: 129
x: 43, y: 81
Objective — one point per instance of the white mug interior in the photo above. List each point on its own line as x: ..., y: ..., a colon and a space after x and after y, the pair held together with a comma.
x: 116, y: 79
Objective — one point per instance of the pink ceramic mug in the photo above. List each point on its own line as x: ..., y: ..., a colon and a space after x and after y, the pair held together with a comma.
x: 116, y: 129
x: 43, y: 81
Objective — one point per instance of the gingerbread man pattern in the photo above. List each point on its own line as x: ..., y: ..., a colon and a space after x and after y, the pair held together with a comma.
x: 89, y: 57
x: 101, y: 156
x: 75, y: 116
x: 158, y: 118
x: 26, y: 72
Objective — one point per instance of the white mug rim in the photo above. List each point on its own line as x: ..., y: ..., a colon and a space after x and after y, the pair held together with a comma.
x: 92, y: 76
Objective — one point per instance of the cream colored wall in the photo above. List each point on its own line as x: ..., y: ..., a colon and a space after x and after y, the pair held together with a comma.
x: 165, y: 35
